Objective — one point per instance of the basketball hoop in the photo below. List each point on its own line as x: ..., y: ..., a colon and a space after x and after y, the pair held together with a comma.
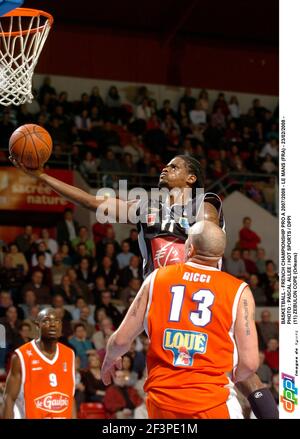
x: 23, y: 33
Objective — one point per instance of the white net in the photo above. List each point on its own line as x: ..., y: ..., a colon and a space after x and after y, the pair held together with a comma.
x: 21, y: 41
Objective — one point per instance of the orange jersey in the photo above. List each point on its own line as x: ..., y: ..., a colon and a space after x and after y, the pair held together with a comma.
x: 48, y: 386
x: 190, y: 322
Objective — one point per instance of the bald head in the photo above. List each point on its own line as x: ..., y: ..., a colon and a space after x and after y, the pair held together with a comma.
x: 46, y: 312
x: 206, y: 241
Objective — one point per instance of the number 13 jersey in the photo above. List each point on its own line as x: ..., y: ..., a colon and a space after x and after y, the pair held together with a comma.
x: 190, y: 322
x: 48, y: 386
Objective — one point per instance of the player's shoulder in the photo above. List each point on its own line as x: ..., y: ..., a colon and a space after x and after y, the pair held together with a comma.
x: 65, y: 349
x: 171, y: 270
x: 229, y: 278
x: 25, y: 347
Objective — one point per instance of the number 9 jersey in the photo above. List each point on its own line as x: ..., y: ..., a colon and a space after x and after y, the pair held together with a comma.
x: 48, y: 386
x: 190, y: 321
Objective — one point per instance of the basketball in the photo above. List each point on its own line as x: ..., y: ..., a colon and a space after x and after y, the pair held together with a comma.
x: 31, y: 145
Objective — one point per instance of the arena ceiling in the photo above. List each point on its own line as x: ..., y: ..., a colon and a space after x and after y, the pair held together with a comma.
x: 248, y: 21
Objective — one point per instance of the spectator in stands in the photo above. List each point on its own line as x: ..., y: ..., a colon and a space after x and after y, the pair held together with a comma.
x: 11, y: 277
x: 110, y: 251
x: 266, y: 328
x: 47, y: 88
x: 42, y: 248
x: 89, y: 166
x: 80, y: 286
x: 249, y: 264
x: 268, y: 165
x: 91, y: 379
x: 83, y: 238
x: 188, y: 99
x: 268, y: 279
x: 271, y: 148
x: 65, y: 253
x: 110, y: 309
x: 235, y: 265
x: 29, y: 301
x: 100, y: 285
x: 143, y: 110
x: 120, y: 400
x: 58, y: 269
x: 50, y: 243
x: 131, y: 376
x: 23, y: 335
x: 58, y: 302
x: 5, y: 302
x: 96, y: 99
x: 109, y: 273
x: 221, y: 104
x: 130, y: 291
x: 264, y: 372
x: 234, y: 108
x: 66, y: 290
x: 86, y: 318
x: 24, y: 240
x: 198, y: 115
x: 98, y: 338
x: 85, y: 272
x: 41, y: 290
x: 125, y: 256
x: 18, y: 258
x: 257, y: 291
x: 218, y: 120
x: 82, y: 346
x: 272, y: 354
x: 132, y: 271
x: 133, y: 242
x: 41, y: 266
x: 11, y: 324
x: 31, y: 319
x: 261, y: 260
x: 80, y: 253
x: 67, y: 229
x: 249, y: 240
x: 100, y: 231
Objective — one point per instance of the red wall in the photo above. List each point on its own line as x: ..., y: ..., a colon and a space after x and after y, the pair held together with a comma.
x: 142, y: 58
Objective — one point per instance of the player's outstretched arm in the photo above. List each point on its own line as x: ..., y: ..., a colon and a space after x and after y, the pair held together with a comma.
x: 74, y: 194
x: 246, y: 337
x: 12, y: 388
x: 120, y: 341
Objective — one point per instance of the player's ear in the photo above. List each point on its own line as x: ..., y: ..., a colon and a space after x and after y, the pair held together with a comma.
x: 191, y: 179
x: 191, y: 251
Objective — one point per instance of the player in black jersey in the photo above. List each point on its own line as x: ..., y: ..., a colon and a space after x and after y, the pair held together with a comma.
x: 183, y: 172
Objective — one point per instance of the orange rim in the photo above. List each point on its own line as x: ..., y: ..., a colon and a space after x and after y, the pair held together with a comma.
x: 25, y: 12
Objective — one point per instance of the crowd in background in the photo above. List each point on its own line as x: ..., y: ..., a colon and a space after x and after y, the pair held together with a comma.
x: 115, y: 139
x: 92, y: 280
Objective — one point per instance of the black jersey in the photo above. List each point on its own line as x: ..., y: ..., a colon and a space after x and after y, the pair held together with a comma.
x: 163, y: 231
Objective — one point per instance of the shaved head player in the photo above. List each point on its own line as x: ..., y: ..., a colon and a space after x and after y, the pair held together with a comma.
x: 201, y: 327
x: 41, y: 381
x: 162, y: 233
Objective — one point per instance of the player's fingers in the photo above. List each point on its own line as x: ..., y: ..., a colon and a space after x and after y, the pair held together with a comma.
x: 14, y: 161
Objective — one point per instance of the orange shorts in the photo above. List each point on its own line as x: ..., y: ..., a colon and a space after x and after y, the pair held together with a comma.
x: 219, y: 412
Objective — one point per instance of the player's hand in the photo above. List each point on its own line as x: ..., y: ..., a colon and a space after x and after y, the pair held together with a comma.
x: 32, y: 172
x: 109, y: 368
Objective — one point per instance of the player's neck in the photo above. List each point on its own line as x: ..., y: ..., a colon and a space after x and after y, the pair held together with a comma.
x: 180, y: 196
x: 47, y: 346
x: 204, y: 261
